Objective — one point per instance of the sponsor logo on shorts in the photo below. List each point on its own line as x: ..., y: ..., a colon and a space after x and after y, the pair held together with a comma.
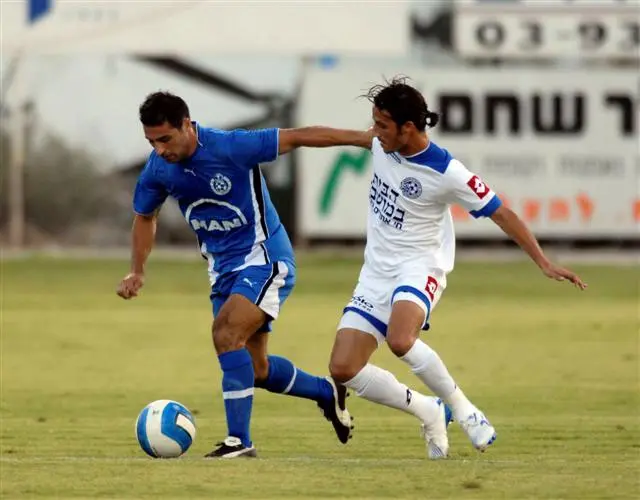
x: 361, y: 303
x: 431, y: 288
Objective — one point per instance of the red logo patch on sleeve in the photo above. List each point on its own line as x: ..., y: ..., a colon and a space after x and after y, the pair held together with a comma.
x: 431, y: 288
x: 478, y: 186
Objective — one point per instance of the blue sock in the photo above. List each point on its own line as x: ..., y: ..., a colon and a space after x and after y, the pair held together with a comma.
x: 284, y: 378
x: 237, y: 392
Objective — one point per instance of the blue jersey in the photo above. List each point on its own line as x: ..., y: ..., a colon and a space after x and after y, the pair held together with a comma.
x: 223, y: 197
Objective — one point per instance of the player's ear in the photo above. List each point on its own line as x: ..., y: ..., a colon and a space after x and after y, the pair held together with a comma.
x: 407, y: 128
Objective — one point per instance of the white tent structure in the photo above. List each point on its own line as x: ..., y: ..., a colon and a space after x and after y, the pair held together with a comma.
x: 182, y: 27
x: 222, y: 26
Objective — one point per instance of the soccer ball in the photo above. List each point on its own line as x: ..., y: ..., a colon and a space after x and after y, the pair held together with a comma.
x: 165, y: 429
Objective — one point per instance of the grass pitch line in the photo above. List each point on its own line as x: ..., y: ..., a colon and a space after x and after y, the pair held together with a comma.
x: 301, y: 459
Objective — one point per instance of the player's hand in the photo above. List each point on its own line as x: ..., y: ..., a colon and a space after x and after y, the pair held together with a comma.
x: 561, y: 274
x: 130, y: 285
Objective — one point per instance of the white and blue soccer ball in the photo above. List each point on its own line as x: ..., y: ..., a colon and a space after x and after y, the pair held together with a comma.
x: 165, y: 429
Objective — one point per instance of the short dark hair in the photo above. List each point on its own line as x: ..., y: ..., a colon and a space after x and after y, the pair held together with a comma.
x: 161, y: 107
x: 403, y: 102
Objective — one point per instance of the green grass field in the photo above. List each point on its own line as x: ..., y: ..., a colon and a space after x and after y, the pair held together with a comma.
x: 555, y: 370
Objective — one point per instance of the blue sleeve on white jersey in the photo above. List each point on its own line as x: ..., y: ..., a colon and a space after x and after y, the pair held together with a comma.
x: 489, y: 209
x: 149, y: 193
x: 249, y: 148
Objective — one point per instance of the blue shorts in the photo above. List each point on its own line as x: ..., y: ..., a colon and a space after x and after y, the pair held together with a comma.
x: 267, y: 286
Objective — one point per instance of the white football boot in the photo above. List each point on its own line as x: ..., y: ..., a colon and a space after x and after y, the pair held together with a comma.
x: 478, y: 429
x: 435, y: 432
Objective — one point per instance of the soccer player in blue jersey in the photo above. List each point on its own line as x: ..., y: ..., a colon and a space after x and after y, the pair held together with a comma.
x: 215, y: 177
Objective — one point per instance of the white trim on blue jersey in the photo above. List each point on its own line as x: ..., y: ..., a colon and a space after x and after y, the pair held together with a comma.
x: 211, y: 264
x: 260, y: 215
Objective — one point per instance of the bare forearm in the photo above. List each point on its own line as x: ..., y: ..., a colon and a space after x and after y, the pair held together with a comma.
x: 142, y: 239
x: 513, y: 226
x: 322, y: 137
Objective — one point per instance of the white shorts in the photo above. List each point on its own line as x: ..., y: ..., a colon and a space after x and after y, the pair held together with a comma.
x: 369, y: 309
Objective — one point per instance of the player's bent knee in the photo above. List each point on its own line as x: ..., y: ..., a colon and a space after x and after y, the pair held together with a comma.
x: 226, y: 338
x: 223, y: 341
x: 232, y: 329
x: 343, y: 371
x: 352, y: 350
x: 401, y: 344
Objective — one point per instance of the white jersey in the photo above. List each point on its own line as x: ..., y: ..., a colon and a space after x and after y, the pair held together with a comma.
x: 410, y: 235
x: 409, y: 226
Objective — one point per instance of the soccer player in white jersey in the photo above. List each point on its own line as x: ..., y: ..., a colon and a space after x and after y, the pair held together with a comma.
x: 409, y: 252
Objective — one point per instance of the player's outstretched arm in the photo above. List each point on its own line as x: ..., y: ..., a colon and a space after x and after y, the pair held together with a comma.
x: 142, y: 238
x: 515, y: 228
x: 322, y: 137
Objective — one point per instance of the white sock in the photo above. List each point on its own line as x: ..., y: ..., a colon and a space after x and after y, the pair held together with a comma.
x: 428, y: 367
x: 380, y: 386
x: 460, y: 406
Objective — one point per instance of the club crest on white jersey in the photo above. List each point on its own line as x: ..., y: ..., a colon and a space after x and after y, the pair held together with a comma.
x: 411, y: 187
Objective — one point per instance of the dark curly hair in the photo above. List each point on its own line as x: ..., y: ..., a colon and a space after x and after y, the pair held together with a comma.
x: 403, y: 102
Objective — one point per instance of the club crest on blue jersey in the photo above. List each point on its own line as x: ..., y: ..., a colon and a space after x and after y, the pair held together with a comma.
x: 220, y: 184
x: 411, y: 187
